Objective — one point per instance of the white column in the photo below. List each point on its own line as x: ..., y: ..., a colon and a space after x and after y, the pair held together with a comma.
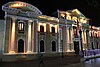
x: 72, y: 45
x: 12, y: 40
x: 68, y: 48
x: 33, y: 37
x: 82, y: 36
x: 83, y: 39
x: 29, y: 38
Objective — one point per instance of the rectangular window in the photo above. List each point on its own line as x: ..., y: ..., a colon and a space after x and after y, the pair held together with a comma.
x: 41, y: 28
x: 53, y: 29
x: 21, y: 26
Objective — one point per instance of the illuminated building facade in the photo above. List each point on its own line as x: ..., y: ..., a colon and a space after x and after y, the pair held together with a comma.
x: 76, y: 30
x: 28, y: 33
x: 94, y: 37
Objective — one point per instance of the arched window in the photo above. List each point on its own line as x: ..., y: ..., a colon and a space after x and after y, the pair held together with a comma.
x: 53, y: 46
x: 41, y: 46
x: 41, y: 28
x: 20, y: 46
x: 53, y: 29
x: 21, y: 27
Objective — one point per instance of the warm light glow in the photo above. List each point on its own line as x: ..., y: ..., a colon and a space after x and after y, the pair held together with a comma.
x: 21, y: 26
x: 68, y: 17
x: 11, y: 52
x: 43, y: 24
x: 51, y: 25
x: 48, y: 18
x: 29, y: 52
x: 62, y: 15
x: 55, y: 26
x: 12, y: 37
x: 75, y: 10
x: 42, y: 17
x: 17, y: 5
x: 29, y: 37
x: 84, y: 36
x: 90, y: 33
x: 99, y: 34
x: 68, y: 39
x: 84, y: 21
x: 74, y: 19
x: 44, y: 27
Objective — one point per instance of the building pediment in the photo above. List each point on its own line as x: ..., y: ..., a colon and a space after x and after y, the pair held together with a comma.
x: 16, y: 6
x: 76, y: 12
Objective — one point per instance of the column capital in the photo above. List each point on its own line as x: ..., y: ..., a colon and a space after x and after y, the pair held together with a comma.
x: 35, y: 20
x: 30, y: 21
x: 13, y: 18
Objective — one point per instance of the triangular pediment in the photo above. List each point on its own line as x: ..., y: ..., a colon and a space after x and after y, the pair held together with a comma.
x: 77, y: 13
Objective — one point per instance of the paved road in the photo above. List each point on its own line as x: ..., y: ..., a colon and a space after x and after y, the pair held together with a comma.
x: 47, y: 62
x: 54, y: 62
x: 91, y: 63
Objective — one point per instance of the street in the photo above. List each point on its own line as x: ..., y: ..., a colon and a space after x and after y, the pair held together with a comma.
x: 72, y: 61
x: 91, y: 63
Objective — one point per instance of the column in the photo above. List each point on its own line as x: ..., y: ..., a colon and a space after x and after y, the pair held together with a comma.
x: 64, y: 39
x: 29, y: 38
x: 33, y: 37
x: 72, y: 45
x: 83, y: 41
x: 68, y: 48
x: 12, y: 40
x: 36, y: 36
x: 89, y: 39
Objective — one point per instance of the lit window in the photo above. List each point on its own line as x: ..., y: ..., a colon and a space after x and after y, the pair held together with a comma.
x: 75, y: 31
x: 69, y: 17
x: 53, y: 29
x: 21, y: 26
x: 74, y: 19
x: 41, y: 28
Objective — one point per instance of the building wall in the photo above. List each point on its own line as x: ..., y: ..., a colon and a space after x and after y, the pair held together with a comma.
x: 1, y: 37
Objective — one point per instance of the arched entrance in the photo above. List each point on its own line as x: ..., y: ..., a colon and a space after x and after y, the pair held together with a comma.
x: 41, y: 46
x: 20, y: 46
x: 53, y: 46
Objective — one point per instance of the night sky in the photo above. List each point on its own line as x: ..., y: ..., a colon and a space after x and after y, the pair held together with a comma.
x: 49, y: 7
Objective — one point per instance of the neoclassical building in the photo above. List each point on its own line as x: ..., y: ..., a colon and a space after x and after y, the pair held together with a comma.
x: 28, y: 33
x: 76, y: 30
x: 94, y: 37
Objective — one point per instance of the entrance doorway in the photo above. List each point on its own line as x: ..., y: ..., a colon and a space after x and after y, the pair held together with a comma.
x: 76, y: 47
x: 20, y: 46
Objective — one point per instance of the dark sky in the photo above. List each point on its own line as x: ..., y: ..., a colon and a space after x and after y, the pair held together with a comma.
x: 48, y: 7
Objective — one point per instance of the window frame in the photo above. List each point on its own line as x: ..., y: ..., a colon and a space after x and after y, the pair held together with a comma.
x: 21, y: 26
